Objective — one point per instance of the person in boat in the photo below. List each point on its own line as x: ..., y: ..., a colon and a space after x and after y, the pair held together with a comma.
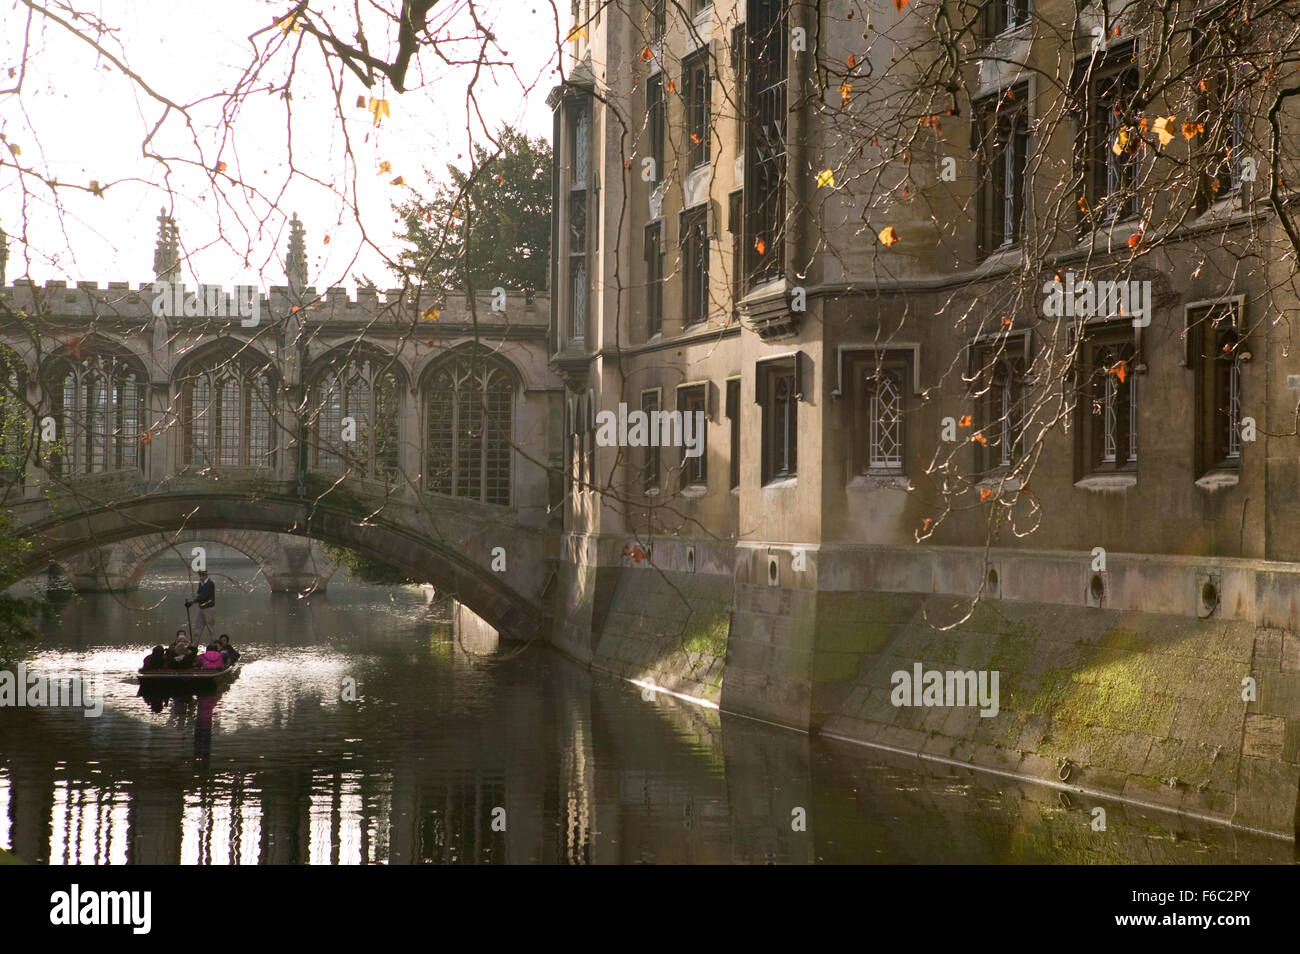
x: 206, y: 597
x: 227, y: 650
x: 212, y: 659
x: 155, y: 660
x: 182, y: 655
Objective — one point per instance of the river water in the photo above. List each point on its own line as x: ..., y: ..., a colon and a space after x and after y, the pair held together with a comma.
x: 362, y: 729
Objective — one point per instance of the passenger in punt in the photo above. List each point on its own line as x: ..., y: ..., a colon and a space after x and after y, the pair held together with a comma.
x: 155, y: 660
x: 212, y: 659
x: 227, y: 650
x: 181, y: 655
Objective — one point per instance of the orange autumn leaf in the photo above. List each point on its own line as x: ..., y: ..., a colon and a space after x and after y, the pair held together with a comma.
x: 852, y: 61
x: 888, y: 237
x: 430, y: 314
x: 221, y: 166
x: 326, y: 240
x: 899, y: 4
x: 846, y: 93
x: 398, y: 181
x: 1204, y: 85
x: 1011, y: 95
x: 647, y: 53
x: 1006, y: 322
x: 500, y: 179
x: 964, y: 422
x: 1083, y: 207
x: 1120, y: 370
x: 1191, y: 129
x: 906, y: 192
x: 760, y: 246
x: 385, y: 166
x: 985, y: 494
x: 146, y: 438
x: 925, y: 524
x: 671, y: 86
x: 1142, y: 124
x: 981, y: 438
x: 695, y: 139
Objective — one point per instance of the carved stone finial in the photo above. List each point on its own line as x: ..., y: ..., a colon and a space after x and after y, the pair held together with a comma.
x: 166, y: 254
x: 295, y: 266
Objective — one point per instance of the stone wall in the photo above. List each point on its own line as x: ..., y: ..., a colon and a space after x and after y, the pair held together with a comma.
x: 1111, y: 701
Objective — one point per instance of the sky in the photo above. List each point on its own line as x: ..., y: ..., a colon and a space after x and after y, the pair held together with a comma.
x: 78, y: 119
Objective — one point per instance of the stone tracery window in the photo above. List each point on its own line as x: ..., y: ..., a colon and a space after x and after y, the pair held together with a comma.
x: 469, y: 408
x: 227, y: 413
x: 367, y: 393
x: 99, y: 406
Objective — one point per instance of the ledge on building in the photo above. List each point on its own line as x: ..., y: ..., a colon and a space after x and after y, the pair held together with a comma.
x: 781, y: 483
x: 1000, y: 484
x: 1218, y: 480
x: 1108, y: 483
x: 881, y: 481
x: 694, y: 490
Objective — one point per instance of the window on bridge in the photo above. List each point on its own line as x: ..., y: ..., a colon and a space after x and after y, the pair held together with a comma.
x: 367, y: 393
x: 98, y: 402
x: 469, y: 413
x: 227, y: 414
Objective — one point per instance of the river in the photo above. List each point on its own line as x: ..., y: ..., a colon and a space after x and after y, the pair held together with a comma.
x: 361, y: 729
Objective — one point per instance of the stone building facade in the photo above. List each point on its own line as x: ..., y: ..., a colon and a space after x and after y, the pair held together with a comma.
x: 837, y: 228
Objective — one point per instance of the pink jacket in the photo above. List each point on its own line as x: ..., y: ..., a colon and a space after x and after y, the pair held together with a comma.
x: 211, y: 660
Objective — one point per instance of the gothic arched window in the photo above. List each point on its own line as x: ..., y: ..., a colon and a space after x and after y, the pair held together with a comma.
x: 98, y: 405
x: 227, y: 413
x: 367, y: 394
x: 469, y: 407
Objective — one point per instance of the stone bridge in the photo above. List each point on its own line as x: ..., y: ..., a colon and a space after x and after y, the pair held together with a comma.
x: 420, y: 431
x: 286, y: 564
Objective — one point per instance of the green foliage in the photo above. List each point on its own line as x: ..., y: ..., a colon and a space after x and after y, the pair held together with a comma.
x: 505, y: 209
x: 365, y: 569
x: 18, y: 616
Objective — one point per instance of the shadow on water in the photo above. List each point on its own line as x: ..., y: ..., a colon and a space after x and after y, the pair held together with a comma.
x: 361, y: 730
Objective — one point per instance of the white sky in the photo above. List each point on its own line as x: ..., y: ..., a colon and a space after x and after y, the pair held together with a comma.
x: 79, y: 119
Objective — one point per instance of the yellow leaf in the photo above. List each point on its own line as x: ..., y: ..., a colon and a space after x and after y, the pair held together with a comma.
x: 846, y: 93
x: 15, y: 149
x: 378, y: 109
x: 1121, y: 141
x: 430, y: 314
x: 826, y: 178
x: 887, y: 235
x: 385, y: 166
x: 289, y: 24
x: 1163, y: 128
x: 577, y: 31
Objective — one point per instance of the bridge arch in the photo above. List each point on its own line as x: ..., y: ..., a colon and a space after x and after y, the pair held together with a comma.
x: 456, y: 556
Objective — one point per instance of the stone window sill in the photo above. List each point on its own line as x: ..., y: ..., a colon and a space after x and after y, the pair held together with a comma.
x: 880, y: 481
x: 1000, y: 485
x: 695, y: 490
x: 1108, y: 482
x: 781, y: 483
x: 1219, y: 479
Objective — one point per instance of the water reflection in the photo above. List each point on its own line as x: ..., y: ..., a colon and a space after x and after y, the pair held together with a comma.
x: 439, y: 749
